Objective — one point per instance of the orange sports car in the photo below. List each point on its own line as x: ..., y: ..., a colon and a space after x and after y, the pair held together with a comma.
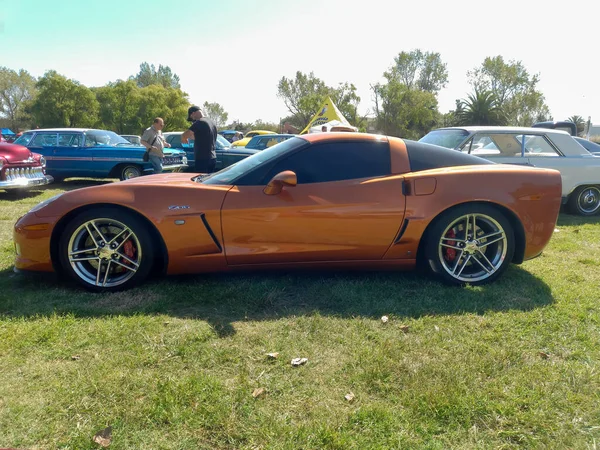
x: 344, y: 200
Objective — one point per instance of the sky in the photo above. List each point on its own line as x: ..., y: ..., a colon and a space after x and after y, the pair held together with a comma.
x: 234, y: 52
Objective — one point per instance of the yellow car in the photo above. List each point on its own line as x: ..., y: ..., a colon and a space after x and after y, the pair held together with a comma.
x: 249, y: 135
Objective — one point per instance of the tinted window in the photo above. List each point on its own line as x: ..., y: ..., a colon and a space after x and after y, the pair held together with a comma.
x: 588, y: 145
x: 336, y: 161
x: 426, y: 156
x: 44, y: 140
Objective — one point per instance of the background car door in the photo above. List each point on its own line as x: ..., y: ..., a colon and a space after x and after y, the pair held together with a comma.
x: 71, y: 158
x: 345, y: 207
x: 503, y: 148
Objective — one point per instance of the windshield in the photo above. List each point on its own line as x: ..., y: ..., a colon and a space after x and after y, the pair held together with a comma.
x: 103, y: 138
x: 222, y: 143
x: 445, y: 138
x: 229, y: 174
x: 24, y: 139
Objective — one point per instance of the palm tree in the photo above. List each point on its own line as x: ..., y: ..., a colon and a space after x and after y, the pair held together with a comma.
x: 481, y: 108
x: 579, y: 121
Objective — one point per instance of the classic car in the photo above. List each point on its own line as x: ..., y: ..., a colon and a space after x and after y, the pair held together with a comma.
x: 226, y: 155
x: 538, y: 147
x: 263, y: 141
x: 20, y: 168
x: 78, y: 152
x: 133, y: 138
x: 228, y: 134
x: 590, y: 146
x: 344, y: 200
x: 249, y: 135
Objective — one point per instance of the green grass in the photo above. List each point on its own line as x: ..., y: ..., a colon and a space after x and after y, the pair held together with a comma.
x: 173, y: 364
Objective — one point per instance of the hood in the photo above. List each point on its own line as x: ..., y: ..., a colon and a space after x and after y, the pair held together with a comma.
x: 14, y: 153
x: 161, y: 179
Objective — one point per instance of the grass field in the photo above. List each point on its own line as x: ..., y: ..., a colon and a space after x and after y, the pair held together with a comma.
x: 174, y: 364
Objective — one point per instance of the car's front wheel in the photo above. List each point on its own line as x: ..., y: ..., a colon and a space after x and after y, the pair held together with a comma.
x: 129, y: 171
x: 585, y: 201
x: 470, y: 244
x: 106, y: 249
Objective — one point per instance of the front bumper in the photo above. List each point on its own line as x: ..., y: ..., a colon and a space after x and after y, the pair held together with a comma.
x: 31, y: 238
x: 25, y: 180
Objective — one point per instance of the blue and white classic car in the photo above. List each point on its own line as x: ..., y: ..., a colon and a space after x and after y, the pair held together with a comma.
x: 78, y: 152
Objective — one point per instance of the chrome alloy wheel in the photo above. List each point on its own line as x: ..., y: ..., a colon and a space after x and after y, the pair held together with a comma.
x: 588, y: 200
x: 473, y: 247
x: 104, y: 252
x: 130, y: 172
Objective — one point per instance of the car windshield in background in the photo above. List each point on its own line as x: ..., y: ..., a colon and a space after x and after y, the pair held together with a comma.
x: 229, y: 174
x: 222, y: 142
x: 445, y: 138
x: 101, y: 138
x: 24, y: 139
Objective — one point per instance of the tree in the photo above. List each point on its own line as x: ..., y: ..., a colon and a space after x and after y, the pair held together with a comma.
x: 148, y: 75
x: 304, y: 95
x: 418, y: 70
x: 481, y: 108
x: 168, y: 103
x: 514, y: 89
x: 62, y: 102
x: 119, y: 107
x: 404, y: 112
x: 216, y: 112
x: 16, y: 89
x: 579, y: 121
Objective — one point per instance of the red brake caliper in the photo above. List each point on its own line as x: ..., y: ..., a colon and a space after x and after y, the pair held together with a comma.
x: 129, y: 250
x: 450, y: 253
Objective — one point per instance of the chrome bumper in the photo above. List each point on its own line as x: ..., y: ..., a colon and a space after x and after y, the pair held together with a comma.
x: 172, y: 167
x: 23, y: 181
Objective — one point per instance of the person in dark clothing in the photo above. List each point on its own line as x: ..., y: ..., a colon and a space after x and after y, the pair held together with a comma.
x: 204, y: 132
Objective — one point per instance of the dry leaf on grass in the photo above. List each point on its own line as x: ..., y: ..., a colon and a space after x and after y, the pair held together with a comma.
x: 104, y: 438
x: 404, y: 328
x: 299, y: 361
x: 75, y: 357
x: 544, y: 355
x: 384, y: 319
x: 273, y: 355
x: 436, y: 328
x: 258, y: 392
x: 349, y: 397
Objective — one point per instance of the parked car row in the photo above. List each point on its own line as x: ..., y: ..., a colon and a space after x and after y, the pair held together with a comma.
x: 20, y: 168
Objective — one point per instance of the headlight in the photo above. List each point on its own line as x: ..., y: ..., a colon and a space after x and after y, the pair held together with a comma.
x: 184, y: 159
x: 43, y: 161
x: 44, y: 203
x: 2, y: 162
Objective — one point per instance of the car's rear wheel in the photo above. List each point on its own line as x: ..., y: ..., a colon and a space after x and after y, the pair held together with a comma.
x: 470, y: 244
x: 130, y: 171
x: 585, y: 201
x: 106, y: 249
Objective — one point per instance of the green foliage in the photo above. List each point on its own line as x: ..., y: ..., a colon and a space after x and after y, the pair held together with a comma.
x: 420, y: 71
x: 168, y: 103
x: 579, y: 122
x: 149, y: 75
x: 16, y: 90
x: 402, y: 111
x: 62, y: 102
x: 304, y: 95
x: 216, y: 112
x: 514, y: 88
x: 119, y: 107
x: 481, y: 108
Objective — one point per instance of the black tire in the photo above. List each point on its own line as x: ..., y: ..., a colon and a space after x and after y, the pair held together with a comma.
x: 584, y: 201
x: 129, y: 171
x: 473, y: 258
x: 106, y: 249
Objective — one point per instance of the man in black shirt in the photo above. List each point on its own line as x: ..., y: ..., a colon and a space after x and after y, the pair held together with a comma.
x: 204, y: 131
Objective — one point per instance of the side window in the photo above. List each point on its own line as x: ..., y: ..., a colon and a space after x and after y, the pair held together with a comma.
x: 503, y: 145
x: 44, y: 140
x: 538, y: 146
x: 174, y: 140
x: 69, y: 140
x: 336, y: 162
x: 24, y: 139
x: 262, y: 143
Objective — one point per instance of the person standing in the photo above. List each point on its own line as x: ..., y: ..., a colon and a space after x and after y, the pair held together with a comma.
x: 154, y: 142
x: 204, y: 131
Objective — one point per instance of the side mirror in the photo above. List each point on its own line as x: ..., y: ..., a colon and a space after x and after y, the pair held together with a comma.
x: 285, y: 178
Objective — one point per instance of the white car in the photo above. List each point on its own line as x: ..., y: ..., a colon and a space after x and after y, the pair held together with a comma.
x: 539, y: 147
